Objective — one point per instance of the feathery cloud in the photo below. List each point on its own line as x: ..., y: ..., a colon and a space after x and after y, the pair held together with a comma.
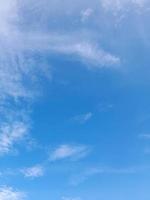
x: 11, y: 134
x: 83, y: 118
x: 120, y: 5
x: 33, y: 172
x: 8, y: 193
x: 85, y: 14
x: 81, y: 177
x: 68, y: 151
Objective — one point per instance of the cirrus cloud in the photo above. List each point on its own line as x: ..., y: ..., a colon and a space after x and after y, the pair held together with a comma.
x: 68, y: 151
x: 8, y: 193
x: 33, y: 172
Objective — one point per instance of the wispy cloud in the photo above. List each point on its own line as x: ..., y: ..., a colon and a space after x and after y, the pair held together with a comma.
x: 8, y: 193
x: 81, y: 177
x: 33, y: 172
x: 19, y: 73
x: 93, y: 55
x: 85, y: 14
x: 11, y: 134
x: 69, y: 151
x: 83, y: 118
x: 82, y: 49
x: 118, y: 5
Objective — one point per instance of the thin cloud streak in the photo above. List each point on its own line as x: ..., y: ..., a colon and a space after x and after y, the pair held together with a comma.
x: 66, y: 151
x: 33, y: 172
x: 83, y: 118
x: 11, y: 134
x: 81, y: 177
x: 8, y: 193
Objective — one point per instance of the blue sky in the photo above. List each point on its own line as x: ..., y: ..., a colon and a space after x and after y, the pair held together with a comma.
x: 74, y: 100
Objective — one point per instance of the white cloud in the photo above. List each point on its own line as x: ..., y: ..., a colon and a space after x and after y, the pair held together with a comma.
x: 123, y: 5
x: 83, y: 118
x: 68, y: 151
x: 7, y: 20
x: 19, y: 73
x: 73, y: 44
x: 86, y: 174
x: 11, y: 134
x: 8, y: 193
x: 85, y: 14
x: 33, y: 172
x: 18, y: 69
x: 92, y: 55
